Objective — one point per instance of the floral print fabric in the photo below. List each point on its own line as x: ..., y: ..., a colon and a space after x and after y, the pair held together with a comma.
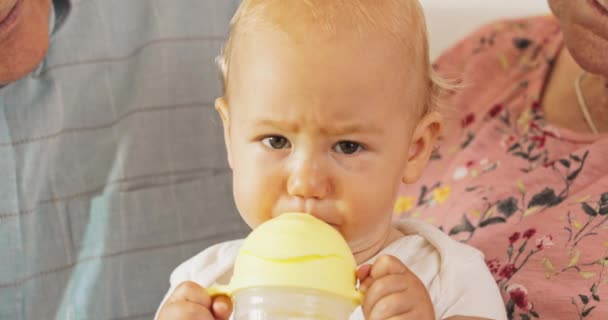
x: 532, y: 197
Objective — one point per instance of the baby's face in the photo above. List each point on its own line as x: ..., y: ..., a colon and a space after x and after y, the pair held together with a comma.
x: 322, y: 126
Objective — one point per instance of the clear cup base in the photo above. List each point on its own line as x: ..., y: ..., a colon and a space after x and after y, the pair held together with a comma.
x: 290, y: 304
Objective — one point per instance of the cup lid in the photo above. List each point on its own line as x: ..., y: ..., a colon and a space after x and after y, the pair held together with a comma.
x: 295, y: 250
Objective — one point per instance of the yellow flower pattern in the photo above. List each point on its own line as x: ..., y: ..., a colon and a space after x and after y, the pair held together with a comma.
x: 403, y: 204
x: 441, y: 195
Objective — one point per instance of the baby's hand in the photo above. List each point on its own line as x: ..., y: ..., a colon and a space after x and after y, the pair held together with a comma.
x: 191, y: 301
x: 393, y: 292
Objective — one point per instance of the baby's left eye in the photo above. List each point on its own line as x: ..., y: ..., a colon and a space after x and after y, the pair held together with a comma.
x: 347, y: 147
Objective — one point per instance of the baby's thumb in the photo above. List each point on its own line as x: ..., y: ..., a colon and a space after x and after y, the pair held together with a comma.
x: 363, y: 272
x: 364, y: 277
x: 221, y: 307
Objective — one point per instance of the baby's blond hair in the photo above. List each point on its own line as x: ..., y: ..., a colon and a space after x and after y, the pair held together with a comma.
x: 403, y: 20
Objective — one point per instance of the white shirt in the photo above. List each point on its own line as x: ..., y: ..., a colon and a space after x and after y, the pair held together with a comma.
x: 455, y: 275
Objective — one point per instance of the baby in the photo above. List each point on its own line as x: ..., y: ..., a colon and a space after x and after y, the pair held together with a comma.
x: 328, y: 106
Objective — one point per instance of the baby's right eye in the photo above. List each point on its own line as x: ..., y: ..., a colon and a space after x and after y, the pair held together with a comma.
x: 276, y: 142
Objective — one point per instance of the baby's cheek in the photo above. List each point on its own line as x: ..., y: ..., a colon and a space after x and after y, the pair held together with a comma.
x: 254, y: 197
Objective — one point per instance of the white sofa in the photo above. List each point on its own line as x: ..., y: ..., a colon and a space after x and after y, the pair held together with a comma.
x: 450, y: 20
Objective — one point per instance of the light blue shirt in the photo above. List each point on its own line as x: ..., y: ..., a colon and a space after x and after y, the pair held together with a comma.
x: 112, y: 164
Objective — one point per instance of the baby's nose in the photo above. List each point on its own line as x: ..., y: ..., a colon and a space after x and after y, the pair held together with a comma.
x: 308, y: 179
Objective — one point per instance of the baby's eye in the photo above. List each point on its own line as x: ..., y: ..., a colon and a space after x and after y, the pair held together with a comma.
x: 347, y: 147
x: 276, y: 142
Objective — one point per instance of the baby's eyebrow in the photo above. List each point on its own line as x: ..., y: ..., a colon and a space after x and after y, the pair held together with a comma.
x: 281, y: 125
x: 332, y: 130
x: 351, y: 128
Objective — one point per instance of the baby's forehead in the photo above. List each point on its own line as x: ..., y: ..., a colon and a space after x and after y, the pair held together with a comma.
x: 396, y: 20
x: 364, y: 56
x: 397, y: 25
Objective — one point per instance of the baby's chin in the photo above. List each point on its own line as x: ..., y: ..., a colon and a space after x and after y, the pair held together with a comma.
x: 370, y: 244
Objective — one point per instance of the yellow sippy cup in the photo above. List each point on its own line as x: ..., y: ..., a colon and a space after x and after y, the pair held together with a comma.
x: 293, y: 267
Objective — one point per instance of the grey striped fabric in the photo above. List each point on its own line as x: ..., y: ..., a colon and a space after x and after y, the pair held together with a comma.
x: 112, y: 164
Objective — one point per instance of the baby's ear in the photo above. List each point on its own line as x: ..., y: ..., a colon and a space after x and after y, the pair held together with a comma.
x: 222, y: 108
x: 423, y: 141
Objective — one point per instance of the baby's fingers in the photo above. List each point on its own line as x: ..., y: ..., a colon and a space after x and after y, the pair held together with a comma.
x: 389, y: 307
x: 222, y: 307
x: 386, y: 287
x: 192, y: 292
x: 184, y: 310
x: 386, y: 265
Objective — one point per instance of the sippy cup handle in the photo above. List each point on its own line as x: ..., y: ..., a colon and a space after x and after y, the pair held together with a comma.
x: 219, y: 290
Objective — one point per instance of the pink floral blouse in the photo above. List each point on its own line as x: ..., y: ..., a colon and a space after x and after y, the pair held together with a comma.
x: 532, y: 197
